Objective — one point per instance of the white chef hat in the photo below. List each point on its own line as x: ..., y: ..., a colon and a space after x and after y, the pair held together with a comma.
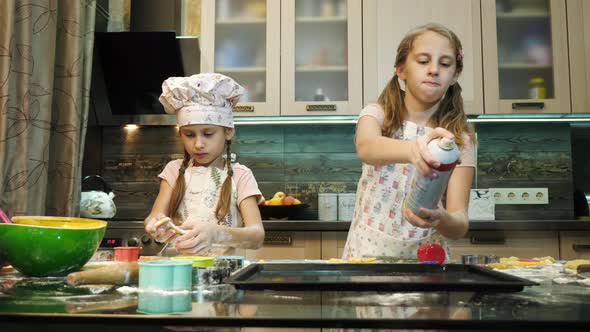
x: 205, y: 98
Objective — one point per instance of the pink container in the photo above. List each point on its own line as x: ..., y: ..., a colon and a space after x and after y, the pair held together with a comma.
x: 127, y: 254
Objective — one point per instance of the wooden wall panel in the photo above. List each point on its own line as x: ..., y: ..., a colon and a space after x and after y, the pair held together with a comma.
x: 143, y: 140
x: 318, y: 138
x: 258, y: 139
x: 322, y: 166
x: 134, y: 199
x: 303, y: 160
x: 527, y: 155
x: 135, y: 168
x: 265, y: 166
x: 581, y: 157
x: 298, y: 160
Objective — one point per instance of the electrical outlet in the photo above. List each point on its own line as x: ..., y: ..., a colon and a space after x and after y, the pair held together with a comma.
x: 520, y: 195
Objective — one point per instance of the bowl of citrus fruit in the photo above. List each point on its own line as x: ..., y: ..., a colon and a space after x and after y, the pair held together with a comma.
x: 281, y: 206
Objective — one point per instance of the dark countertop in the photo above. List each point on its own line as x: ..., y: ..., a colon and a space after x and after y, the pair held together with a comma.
x: 474, y: 225
x: 26, y: 302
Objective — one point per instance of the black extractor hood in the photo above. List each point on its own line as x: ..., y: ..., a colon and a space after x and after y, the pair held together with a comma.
x: 128, y: 71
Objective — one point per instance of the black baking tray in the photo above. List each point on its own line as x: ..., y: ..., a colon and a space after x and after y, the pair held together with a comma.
x: 375, y: 277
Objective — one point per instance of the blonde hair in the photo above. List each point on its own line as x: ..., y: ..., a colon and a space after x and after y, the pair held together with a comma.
x: 450, y: 113
x: 224, y: 199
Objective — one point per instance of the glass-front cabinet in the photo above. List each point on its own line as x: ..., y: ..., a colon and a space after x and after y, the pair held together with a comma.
x: 240, y: 39
x: 525, y: 56
x: 321, y: 57
x: 291, y: 56
x: 386, y: 22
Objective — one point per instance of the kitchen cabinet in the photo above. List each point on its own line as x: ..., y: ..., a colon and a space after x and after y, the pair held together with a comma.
x: 524, y: 244
x: 240, y: 39
x: 578, y: 30
x: 525, y: 56
x: 502, y: 244
x: 574, y: 245
x: 294, y: 57
x: 385, y: 22
x: 288, y: 245
x: 321, y: 57
x: 333, y: 244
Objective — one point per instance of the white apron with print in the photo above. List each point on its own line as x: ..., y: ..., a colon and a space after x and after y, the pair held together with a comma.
x: 203, y: 187
x: 378, y: 227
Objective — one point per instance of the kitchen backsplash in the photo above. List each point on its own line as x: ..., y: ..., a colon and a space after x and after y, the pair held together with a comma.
x: 304, y: 160
x: 298, y: 160
x: 531, y: 155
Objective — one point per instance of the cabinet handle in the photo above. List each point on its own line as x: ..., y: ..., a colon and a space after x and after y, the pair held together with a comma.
x: 320, y: 107
x: 277, y: 239
x: 538, y: 105
x: 581, y: 247
x: 244, y: 108
x: 474, y: 239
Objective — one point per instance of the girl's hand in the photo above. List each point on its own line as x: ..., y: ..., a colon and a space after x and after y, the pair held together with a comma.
x: 420, y: 157
x: 432, y: 217
x: 159, y: 228
x: 199, y: 237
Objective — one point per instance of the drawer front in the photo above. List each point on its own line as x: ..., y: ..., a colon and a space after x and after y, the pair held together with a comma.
x: 522, y: 244
x: 288, y: 245
x: 574, y: 245
x: 333, y: 244
x: 279, y: 329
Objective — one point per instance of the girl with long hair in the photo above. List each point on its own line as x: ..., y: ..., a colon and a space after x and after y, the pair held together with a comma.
x: 421, y: 102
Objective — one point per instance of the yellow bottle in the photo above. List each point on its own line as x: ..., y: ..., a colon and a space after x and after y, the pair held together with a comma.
x: 537, y: 89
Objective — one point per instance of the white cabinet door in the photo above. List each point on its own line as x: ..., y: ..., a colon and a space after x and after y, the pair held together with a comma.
x: 321, y: 64
x: 241, y: 39
x: 385, y: 22
x: 525, y: 52
x: 579, y: 53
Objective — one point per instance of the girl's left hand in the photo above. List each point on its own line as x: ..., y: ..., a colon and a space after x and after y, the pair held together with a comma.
x: 431, y: 220
x: 198, y: 238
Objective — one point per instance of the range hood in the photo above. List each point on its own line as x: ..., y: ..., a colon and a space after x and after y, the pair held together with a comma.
x: 128, y: 71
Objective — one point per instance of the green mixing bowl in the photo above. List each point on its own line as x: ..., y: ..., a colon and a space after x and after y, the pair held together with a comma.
x: 50, y: 246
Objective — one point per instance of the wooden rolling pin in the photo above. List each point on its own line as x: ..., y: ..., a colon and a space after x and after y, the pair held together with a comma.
x: 118, y: 273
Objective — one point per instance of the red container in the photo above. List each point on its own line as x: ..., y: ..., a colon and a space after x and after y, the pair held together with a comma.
x: 127, y: 254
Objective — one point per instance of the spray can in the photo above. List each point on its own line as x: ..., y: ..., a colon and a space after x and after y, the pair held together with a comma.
x: 426, y: 192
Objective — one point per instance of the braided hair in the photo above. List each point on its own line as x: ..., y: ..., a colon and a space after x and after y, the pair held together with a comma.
x: 224, y: 200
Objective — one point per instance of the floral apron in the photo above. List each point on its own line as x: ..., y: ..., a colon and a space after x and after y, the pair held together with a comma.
x: 203, y: 187
x: 378, y: 227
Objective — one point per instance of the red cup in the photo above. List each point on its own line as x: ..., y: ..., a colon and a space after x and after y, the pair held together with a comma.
x: 431, y: 252
x: 127, y: 254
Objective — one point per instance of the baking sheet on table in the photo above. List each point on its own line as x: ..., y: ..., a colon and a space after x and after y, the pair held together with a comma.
x: 375, y: 277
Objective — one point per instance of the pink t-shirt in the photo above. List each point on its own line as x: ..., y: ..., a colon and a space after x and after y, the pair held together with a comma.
x: 466, y: 152
x: 246, y: 185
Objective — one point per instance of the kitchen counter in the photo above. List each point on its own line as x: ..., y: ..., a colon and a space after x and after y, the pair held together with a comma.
x: 49, y: 302
x: 474, y: 225
x: 335, y: 226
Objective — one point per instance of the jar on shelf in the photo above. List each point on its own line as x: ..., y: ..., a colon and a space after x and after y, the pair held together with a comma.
x: 537, y: 89
x: 328, y: 206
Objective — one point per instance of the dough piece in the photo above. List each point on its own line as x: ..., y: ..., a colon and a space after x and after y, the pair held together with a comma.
x: 335, y: 260
x: 171, y: 225
x: 177, y: 229
x: 163, y: 221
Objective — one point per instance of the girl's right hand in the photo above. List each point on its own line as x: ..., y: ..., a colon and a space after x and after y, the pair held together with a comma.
x: 159, y: 229
x: 420, y: 157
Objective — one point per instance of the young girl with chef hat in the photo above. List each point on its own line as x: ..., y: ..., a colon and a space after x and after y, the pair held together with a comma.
x: 206, y: 205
